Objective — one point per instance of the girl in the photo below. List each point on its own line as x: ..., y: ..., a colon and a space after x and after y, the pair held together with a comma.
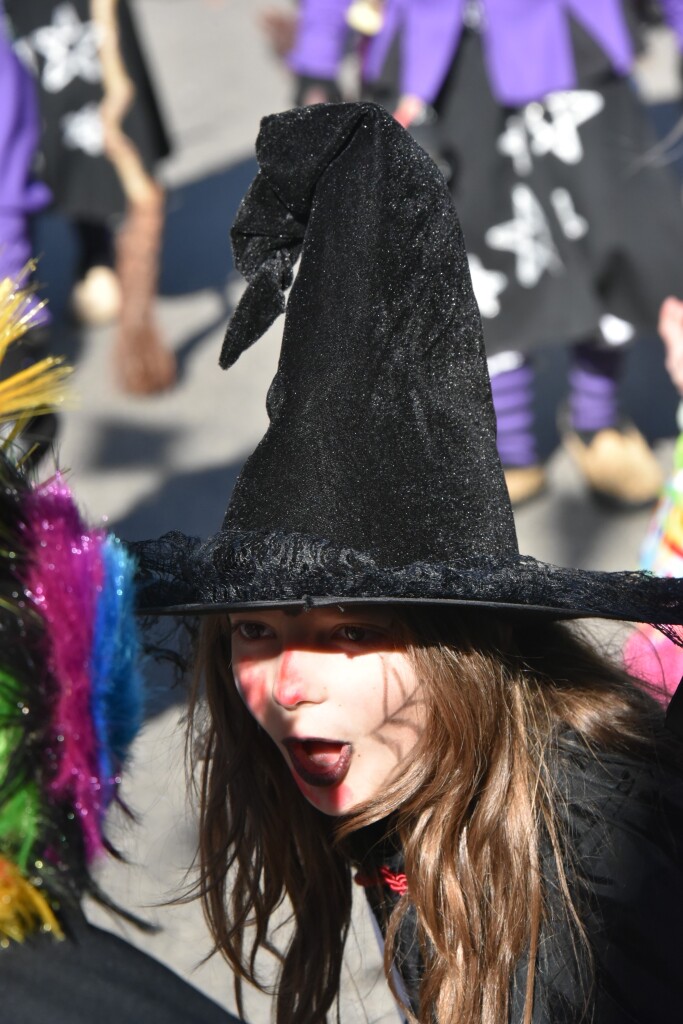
x: 492, y: 782
x: 388, y: 694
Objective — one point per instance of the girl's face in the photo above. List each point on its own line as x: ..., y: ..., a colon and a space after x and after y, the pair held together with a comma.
x: 335, y: 693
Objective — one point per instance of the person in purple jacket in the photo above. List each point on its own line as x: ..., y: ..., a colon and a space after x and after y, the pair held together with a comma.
x: 573, y: 234
x: 22, y: 196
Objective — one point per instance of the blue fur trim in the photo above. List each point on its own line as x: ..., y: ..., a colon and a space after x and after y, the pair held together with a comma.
x: 117, y: 697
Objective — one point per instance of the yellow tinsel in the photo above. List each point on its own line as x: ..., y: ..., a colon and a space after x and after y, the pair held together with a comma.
x: 23, y: 908
x: 40, y: 387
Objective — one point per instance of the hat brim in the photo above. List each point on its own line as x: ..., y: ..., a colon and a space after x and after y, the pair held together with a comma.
x: 309, y: 602
x: 234, y: 571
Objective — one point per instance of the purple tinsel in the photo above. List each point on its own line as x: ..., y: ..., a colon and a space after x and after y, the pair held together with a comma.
x: 64, y: 580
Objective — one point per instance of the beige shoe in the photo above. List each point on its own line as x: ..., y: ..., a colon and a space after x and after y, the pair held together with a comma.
x: 524, y: 483
x: 618, y: 465
x: 96, y: 300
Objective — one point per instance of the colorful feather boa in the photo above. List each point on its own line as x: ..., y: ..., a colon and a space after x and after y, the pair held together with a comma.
x: 70, y: 693
x: 80, y: 582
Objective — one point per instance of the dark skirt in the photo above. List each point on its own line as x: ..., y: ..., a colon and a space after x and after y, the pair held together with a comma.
x: 58, y: 41
x: 566, y: 213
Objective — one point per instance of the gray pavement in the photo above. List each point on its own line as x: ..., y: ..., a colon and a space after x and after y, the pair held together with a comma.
x: 169, y: 461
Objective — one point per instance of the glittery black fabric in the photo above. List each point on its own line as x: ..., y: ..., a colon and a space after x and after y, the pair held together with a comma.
x: 380, y: 412
x: 180, y: 574
x: 378, y: 477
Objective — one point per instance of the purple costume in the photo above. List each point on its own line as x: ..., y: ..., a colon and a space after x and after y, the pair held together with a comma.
x: 511, y: 30
x: 20, y: 195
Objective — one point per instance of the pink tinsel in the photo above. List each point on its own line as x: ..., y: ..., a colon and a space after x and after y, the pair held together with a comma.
x: 63, y: 579
x: 651, y: 656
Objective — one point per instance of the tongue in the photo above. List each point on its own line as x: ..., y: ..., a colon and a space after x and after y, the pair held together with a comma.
x: 324, y: 755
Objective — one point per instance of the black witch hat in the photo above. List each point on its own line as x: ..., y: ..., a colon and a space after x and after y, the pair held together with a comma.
x: 378, y: 479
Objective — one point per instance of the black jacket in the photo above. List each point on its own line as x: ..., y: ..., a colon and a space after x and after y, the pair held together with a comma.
x: 93, y: 977
x: 624, y: 823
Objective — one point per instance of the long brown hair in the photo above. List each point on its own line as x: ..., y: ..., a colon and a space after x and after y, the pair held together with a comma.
x: 472, y: 805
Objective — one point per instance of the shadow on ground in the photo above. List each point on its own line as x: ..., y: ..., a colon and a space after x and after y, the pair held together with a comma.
x: 197, y: 252
x: 193, y: 502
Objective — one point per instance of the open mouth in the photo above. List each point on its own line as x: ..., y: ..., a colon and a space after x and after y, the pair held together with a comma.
x: 319, y: 762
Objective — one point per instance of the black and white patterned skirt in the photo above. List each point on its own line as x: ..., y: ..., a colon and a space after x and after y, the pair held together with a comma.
x: 58, y: 41
x: 570, y: 220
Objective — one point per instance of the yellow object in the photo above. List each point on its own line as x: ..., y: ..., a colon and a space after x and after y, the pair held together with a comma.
x: 40, y: 387
x: 16, y: 314
x: 23, y: 909
x: 366, y: 16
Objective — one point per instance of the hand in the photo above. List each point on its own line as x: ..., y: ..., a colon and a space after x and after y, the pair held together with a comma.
x: 279, y: 27
x: 313, y: 95
x: 671, y: 329
x: 409, y: 110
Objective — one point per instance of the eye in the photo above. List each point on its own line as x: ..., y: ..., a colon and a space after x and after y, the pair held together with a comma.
x: 252, y: 631
x: 358, y: 635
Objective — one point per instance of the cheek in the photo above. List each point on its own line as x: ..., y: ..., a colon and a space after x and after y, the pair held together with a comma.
x: 251, y: 682
x: 387, y: 695
x: 395, y: 713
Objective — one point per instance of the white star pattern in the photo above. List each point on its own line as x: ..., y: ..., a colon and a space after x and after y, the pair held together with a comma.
x: 528, y: 236
x: 514, y: 142
x: 558, y: 132
x: 83, y: 129
x: 70, y: 49
x: 487, y: 286
x: 572, y: 223
x: 549, y: 127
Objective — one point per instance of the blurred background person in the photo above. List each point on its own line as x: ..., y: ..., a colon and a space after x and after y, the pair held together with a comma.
x: 21, y: 197
x: 279, y: 24
x: 647, y: 654
x: 103, y: 135
x: 573, y: 235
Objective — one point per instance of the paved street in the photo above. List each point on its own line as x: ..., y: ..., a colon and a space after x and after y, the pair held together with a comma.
x: 170, y: 461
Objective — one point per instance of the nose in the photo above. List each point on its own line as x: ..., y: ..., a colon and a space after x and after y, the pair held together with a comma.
x: 297, y: 681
